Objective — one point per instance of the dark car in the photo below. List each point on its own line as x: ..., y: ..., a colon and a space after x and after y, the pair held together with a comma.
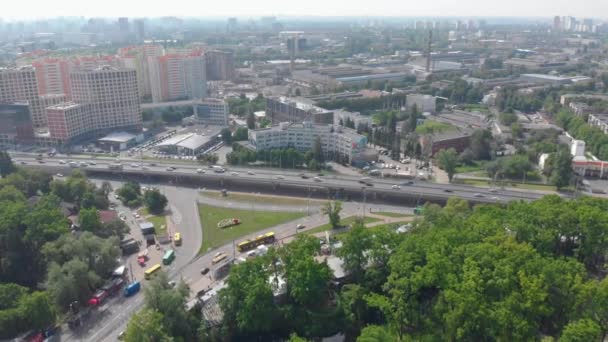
x: 303, y: 176
x: 205, y: 270
x: 447, y: 190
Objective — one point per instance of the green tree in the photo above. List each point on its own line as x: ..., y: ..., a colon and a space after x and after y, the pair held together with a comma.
x: 90, y: 221
x: 332, y: 210
x: 117, y: 228
x: 448, y: 161
x: 6, y: 164
x: 130, y: 194
x: 147, y: 326
x: 295, y: 338
x: 71, y: 282
x: 376, y: 333
x: 352, y: 301
x: 584, y: 330
x: 155, y: 201
x: 317, y: 150
x: 562, y: 168
x: 241, y: 134
x: 354, y: 250
x: 251, y: 121
x: 226, y: 136
x: 481, y: 144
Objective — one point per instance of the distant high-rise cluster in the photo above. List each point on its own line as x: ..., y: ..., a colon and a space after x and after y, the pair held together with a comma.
x: 572, y: 24
x: 178, y: 76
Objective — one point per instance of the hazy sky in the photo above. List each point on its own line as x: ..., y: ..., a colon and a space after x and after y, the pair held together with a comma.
x: 205, y: 8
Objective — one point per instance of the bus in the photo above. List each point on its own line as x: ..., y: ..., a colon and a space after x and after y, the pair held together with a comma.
x: 151, y: 271
x: 177, y: 239
x: 169, y: 257
x: 263, y: 239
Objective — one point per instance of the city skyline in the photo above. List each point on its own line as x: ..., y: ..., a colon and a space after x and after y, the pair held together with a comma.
x: 382, y: 8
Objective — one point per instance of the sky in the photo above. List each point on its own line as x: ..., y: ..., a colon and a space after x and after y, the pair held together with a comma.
x: 33, y: 9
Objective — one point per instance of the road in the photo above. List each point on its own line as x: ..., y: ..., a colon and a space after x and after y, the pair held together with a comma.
x: 384, y: 186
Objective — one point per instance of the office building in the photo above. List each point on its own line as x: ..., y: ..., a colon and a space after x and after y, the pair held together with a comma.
x: 15, y: 124
x: 136, y: 57
x: 140, y: 32
x: 285, y: 109
x: 423, y: 103
x: 338, y: 143
x: 211, y: 112
x: 219, y: 65
x: 178, y: 77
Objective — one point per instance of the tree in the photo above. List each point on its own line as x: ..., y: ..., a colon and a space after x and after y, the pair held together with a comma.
x: 130, y: 194
x: 71, y: 282
x: 333, y: 213
x: 226, y: 135
x: 251, y: 121
x: 90, y: 221
x: 480, y: 144
x: 376, y: 333
x: 413, y: 119
x: 354, y: 249
x: 147, y: 326
x: 21, y: 310
x: 117, y: 228
x: 241, y: 134
x: 106, y: 188
x: 354, y: 305
x: 6, y: 164
x: 448, y: 161
x: 317, y: 150
x: 155, y: 201
x: 562, y: 168
x: 584, y: 330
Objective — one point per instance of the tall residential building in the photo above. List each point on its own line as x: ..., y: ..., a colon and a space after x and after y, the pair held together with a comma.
x: 136, y: 57
x: 178, y: 77
x: 211, y: 112
x: 557, y: 23
x: 18, y: 85
x: 69, y: 121
x: 220, y: 65
x: 38, y: 106
x: 53, y: 76
x: 112, y: 97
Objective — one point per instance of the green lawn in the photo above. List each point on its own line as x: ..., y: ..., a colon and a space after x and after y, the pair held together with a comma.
x: 389, y: 214
x: 262, y: 199
x: 252, y: 221
x: 529, y: 186
x: 430, y: 126
x: 344, y: 222
x: 160, y: 222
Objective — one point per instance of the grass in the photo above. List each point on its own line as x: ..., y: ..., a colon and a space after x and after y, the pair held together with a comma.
x: 159, y: 221
x: 389, y: 214
x: 430, y: 126
x: 528, y: 186
x: 252, y: 221
x: 345, y: 222
x: 263, y: 199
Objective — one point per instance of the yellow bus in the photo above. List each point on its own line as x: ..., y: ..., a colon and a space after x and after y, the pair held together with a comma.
x: 150, y: 271
x: 263, y: 239
x: 177, y: 239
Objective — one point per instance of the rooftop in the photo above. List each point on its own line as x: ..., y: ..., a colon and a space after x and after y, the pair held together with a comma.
x: 120, y: 137
x: 64, y: 106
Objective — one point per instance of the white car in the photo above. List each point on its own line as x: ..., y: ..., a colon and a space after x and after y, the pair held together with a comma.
x: 200, y: 171
x: 136, y: 215
x: 251, y: 173
x: 92, y: 163
x: 59, y: 175
x: 62, y: 162
x: 134, y: 165
x: 396, y: 187
x: 317, y: 179
x: 280, y: 177
x: 234, y: 173
x: 169, y: 169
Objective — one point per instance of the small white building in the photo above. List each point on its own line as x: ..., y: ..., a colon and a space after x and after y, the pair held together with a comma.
x: 424, y: 103
x: 577, y: 148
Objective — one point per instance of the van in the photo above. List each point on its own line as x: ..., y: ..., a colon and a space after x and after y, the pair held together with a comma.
x: 177, y: 239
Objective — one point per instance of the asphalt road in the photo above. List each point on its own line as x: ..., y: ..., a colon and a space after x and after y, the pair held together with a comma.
x: 419, y: 189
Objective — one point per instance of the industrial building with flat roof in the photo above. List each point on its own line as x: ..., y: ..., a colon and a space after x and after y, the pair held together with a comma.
x: 190, y: 144
x: 286, y: 109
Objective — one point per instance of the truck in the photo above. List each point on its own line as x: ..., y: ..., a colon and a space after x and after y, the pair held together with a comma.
x: 115, y: 166
x: 132, y: 289
x: 129, y: 246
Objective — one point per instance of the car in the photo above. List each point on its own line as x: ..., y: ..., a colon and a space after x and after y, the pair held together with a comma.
x: 408, y: 183
x: 152, y: 164
x: 172, y: 283
x: 280, y: 177
x: 447, y: 190
x: 121, y: 335
x: 134, y: 165
x: 136, y: 215
x: 92, y: 163
x: 234, y: 173
x: 62, y: 162
x: 493, y: 190
x: 144, y: 168
x: 200, y: 171
x: 205, y: 270
x: 478, y: 195
x: 59, y: 175
x: 40, y: 161
x: 23, y: 162
x: 303, y: 176
x: 116, y: 196
x: 396, y: 187
x: 300, y: 226
x: 169, y: 169
x: 317, y: 179
x: 251, y: 173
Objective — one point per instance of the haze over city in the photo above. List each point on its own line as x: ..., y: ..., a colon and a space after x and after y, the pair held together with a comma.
x: 245, y: 8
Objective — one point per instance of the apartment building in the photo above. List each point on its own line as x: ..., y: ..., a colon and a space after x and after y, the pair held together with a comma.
x: 178, y: 77
x: 53, y: 76
x: 285, y: 109
x: 219, y: 65
x: 212, y: 112
x: 18, y: 84
x: 600, y: 121
x: 38, y: 106
x: 15, y: 123
x: 69, y: 121
x: 336, y: 142
x: 136, y: 57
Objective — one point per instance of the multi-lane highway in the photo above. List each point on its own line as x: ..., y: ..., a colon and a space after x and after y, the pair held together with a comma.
x: 388, y: 190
